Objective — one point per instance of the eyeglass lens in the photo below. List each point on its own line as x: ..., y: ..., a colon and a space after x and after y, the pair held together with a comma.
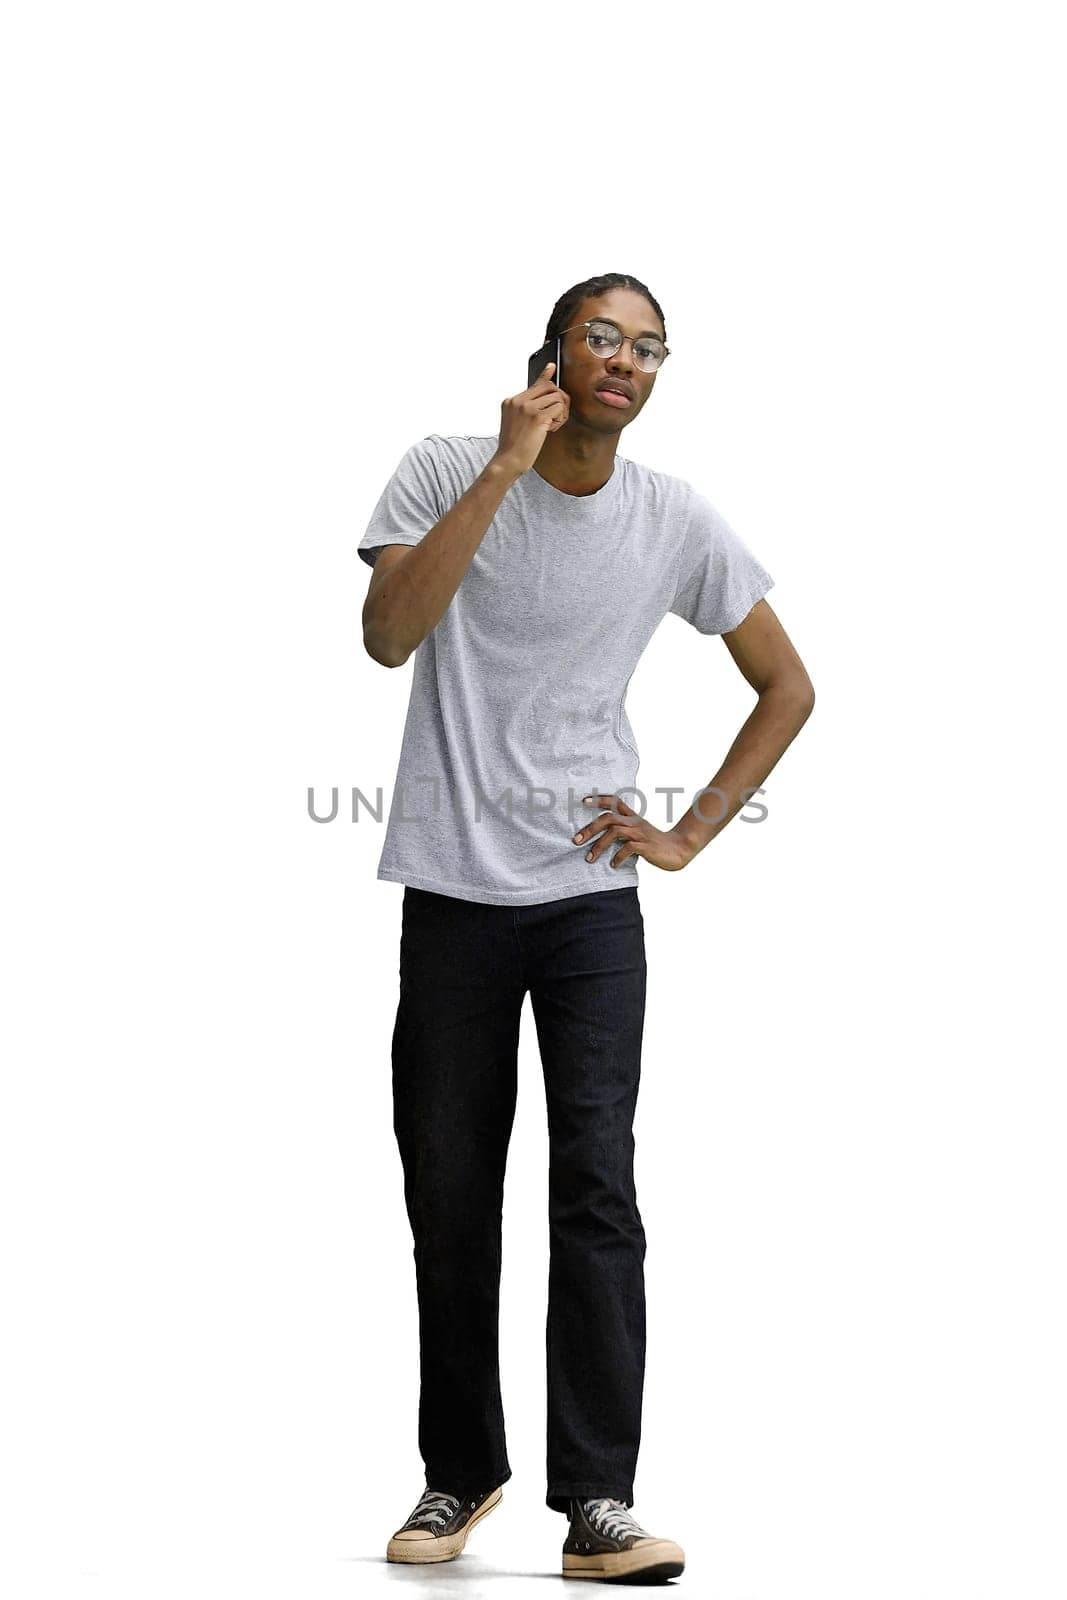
x: 604, y: 339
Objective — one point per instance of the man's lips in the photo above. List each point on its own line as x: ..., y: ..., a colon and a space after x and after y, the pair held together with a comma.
x: 612, y: 397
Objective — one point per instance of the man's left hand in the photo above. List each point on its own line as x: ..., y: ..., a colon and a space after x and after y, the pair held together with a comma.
x: 635, y: 836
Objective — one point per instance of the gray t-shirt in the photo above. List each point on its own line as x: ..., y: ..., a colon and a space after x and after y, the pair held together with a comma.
x: 517, y: 705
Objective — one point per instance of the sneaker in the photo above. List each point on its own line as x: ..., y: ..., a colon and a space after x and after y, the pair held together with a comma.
x: 437, y: 1529
x: 605, y: 1542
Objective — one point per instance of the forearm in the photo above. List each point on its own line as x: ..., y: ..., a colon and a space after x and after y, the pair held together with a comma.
x: 417, y: 591
x: 779, y: 715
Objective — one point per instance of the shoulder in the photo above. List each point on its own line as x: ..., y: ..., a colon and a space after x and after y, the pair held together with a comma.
x: 693, y: 504
x: 652, y: 477
x: 458, y: 450
x: 452, y: 461
x: 661, y: 492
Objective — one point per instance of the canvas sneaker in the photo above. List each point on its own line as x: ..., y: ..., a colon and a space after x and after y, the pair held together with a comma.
x: 606, y: 1542
x: 437, y: 1529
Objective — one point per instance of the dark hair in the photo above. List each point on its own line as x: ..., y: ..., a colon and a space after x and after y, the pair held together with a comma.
x: 568, y: 303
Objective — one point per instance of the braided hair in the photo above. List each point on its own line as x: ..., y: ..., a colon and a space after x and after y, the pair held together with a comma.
x: 592, y: 288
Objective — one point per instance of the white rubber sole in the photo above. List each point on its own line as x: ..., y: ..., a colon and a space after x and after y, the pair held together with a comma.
x: 655, y: 1559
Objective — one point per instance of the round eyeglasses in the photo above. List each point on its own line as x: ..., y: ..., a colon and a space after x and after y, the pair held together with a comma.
x: 605, y: 339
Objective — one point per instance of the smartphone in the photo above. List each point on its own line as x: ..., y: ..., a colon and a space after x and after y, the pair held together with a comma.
x: 547, y: 352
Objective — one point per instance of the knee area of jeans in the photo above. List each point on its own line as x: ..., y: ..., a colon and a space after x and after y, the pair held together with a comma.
x: 455, y: 1197
x: 451, y: 1222
x: 599, y: 1215
x: 583, y: 1178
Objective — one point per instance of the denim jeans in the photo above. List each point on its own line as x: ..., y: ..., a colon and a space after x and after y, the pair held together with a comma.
x: 465, y: 969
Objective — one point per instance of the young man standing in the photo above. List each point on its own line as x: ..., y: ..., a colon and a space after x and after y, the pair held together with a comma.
x: 532, y: 567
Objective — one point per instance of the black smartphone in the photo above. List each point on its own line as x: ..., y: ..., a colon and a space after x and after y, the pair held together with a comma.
x: 547, y: 352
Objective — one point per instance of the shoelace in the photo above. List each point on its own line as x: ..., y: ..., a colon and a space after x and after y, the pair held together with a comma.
x: 611, y: 1518
x: 433, y: 1508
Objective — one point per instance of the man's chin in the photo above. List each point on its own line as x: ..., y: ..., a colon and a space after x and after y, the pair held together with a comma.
x: 600, y: 419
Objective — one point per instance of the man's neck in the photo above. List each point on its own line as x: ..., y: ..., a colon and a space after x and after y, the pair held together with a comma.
x: 576, y: 465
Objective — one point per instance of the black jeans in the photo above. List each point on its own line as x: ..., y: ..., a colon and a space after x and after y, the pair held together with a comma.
x: 465, y: 968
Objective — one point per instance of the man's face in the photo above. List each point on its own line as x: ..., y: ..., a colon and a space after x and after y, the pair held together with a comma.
x: 584, y: 371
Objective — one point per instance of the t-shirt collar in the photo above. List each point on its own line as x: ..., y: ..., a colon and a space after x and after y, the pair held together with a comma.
x: 559, y: 497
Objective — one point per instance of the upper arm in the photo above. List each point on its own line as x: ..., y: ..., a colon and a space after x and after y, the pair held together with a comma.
x: 388, y: 557
x: 411, y: 503
x: 719, y: 577
x: 764, y: 653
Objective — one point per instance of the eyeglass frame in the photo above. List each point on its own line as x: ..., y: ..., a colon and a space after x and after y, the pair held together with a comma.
x: 623, y: 339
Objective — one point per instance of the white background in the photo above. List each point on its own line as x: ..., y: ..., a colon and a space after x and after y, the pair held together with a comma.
x: 253, y: 253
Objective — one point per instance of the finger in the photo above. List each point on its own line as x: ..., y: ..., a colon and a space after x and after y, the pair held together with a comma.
x: 597, y: 825
x: 545, y: 402
x: 546, y: 375
x: 605, y: 842
x: 619, y: 807
x: 605, y: 819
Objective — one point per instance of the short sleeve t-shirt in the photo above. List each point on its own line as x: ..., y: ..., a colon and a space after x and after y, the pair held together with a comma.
x: 517, y: 706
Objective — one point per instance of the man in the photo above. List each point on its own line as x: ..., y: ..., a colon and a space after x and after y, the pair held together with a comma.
x: 532, y: 568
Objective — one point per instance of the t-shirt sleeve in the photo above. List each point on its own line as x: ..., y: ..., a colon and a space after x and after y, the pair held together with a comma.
x: 411, y: 503
x: 719, y: 578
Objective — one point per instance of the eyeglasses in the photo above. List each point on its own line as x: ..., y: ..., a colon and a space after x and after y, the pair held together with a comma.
x: 605, y: 339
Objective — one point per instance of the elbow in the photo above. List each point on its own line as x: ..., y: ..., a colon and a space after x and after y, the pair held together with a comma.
x: 803, y: 694
x: 381, y: 652
x: 379, y: 642
x: 798, y: 691
x: 805, y: 701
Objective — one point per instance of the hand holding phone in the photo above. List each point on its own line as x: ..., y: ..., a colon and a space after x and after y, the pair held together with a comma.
x: 526, y: 419
x: 551, y: 351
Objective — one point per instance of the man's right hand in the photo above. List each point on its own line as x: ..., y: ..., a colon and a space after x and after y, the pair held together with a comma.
x: 528, y: 418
